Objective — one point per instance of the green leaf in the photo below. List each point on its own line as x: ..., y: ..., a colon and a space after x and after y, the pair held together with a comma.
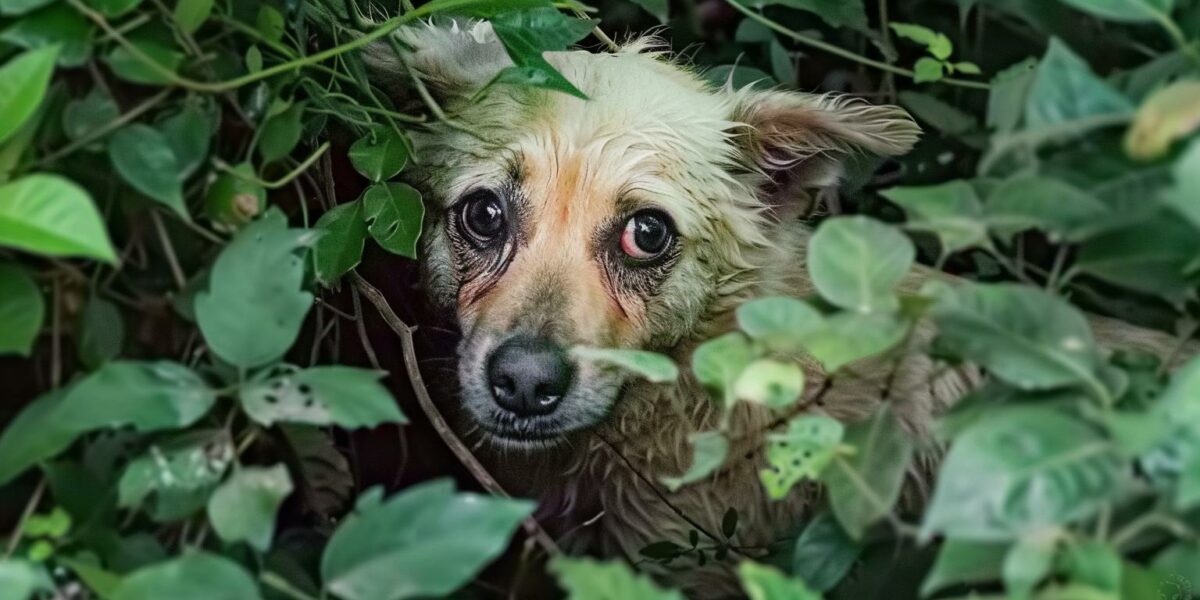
x: 394, y: 215
x: 243, y: 508
x: 770, y: 382
x: 48, y: 214
x: 1021, y: 334
x: 718, y: 362
x: 57, y: 25
x: 1021, y: 470
x: 927, y: 69
x: 1027, y: 563
x: 856, y: 262
x: 660, y: 9
x: 23, y: 82
x: 750, y: 31
x: 188, y: 133
x: 1169, y: 114
x: 234, y: 199
x: 763, y: 582
x: 709, y: 449
x: 1187, y: 494
x: 88, y: 114
x: 56, y: 524
x: 340, y: 248
x: 803, y: 452
x: 917, y: 33
x: 588, y: 579
x: 1127, y: 11
x: 256, y: 280
x: 967, y: 68
x: 101, y: 332
x: 270, y: 23
x: 1065, y: 89
x: 134, y: 69
x: 191, y: 14
x: 941, y: 115
x: 651, y: 366
x: 780, y: 322
x: 143, y: 157
x: 1052, y: 205
x: 114, y: 8
x: 189, y: 462
x: 837, y: 13
x: 529, y: 33
x: 16, y: 7
x: 20, y: 579
x: 781, y: 63
x: 21, y: 310
x: 194, y: 576
x: 738, y: 77
x: 1009, y: 90
x: 1148, y: 255
x: 345, y: 396
x: 399, y: 548
x: 848, y: 337
x: 883, y: 451
x: 1095, y: 564
x: 1180, y: 561
x: 951, y: 211
x: 964, y: 562
x: 824, y: 553
x: 380, y: 154
x: 281, y: 133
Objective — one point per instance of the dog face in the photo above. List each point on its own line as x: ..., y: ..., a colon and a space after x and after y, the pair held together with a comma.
x: 628, y: 220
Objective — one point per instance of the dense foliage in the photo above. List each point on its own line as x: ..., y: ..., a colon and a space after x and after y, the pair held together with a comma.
x: 172, y: 246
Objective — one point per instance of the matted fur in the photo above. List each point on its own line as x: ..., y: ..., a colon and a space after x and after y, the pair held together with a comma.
x: 732, y: 169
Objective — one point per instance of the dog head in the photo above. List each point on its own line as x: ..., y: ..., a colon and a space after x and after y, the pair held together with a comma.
x: 626, y: 220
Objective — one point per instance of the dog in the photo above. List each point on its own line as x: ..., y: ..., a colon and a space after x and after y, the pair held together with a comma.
x: 638, y: 218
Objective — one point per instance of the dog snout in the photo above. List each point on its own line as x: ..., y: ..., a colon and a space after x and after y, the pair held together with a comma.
x: 529, y: 376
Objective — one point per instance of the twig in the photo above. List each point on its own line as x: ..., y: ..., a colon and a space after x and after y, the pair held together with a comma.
x: 282, y: 181
x: 169, y: 250
x: 106, y: 129
x: 30, y: 506
x: 460, y: 450
x: 361, y: 324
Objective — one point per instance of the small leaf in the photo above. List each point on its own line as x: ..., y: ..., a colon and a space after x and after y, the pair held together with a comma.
x: 101, y: 332
x: 270, y: 23
x: 345, y: 396
x: 57, y: 25
x: 927, y: 69
x: 398, y: 548
x: 824, y: 553
x: 780, y: 322
x: 88, y: 114
x: 129, y: 67
x: 196, y: 575
x: 662, y: 551
x: 243, y: 508
x: 380, y: 154
x: 651, y: 366
x: 950, y: 210
x: 1027, y: 563
x: 1095, y: 564
x: 281, y: 133
x: 770, y: 383
x: 20, y: 579
x: 1009, y: 89
x: 1127, y: 11
x: 588, y: 579
x: 143, y: 157
x: 188, y: 132
x: 190, y: 462
x: 23, y: 82
x: 883, y: 451
x: 526, y: 35
x: 191, y: 14
x: 967, y: 68
x: 848, y: 337
x: 394, y: 214
x: 22, y: 310
x: 763, y: 582
x: 917, y: 33
x: 660, y: 9
x: 256, y: 279
x: 963, y: 562
x: 803, y: 452
x: 54, y: 525
x: 341, y: 248
x: 856, y: 262
x: 1064, y: 88
x: 1169, y: 114
x: 709, y: 449
x: 718, y: 362
x: 729, y: 522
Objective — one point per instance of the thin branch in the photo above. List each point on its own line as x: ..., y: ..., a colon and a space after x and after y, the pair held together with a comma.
x: 105, y: 129
x: 169, y: 250
x: 30, y: 507
x: 460, y: 450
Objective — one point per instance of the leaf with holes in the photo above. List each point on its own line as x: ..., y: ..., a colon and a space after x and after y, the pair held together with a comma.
x: 709, y: 449
x: 651, y: 366
x: 21, y: 310
x: 771, y: 383
x: 394, y: 213
x: 380, y: 154
x: 718, y: 362
x: 345, y: 396
x: 803, y: 452
x: 256, y: 279
x: 856, y: 262
x: 189, y: 462
x: 243, y: 508
x: 865, y: 485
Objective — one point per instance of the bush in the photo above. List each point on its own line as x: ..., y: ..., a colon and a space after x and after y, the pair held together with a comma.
x: 168, y: 220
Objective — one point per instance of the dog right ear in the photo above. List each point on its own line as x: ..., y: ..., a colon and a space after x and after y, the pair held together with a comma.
x: 454, y: 59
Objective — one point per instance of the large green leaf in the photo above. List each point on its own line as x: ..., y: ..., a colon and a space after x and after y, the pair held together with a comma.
x: 778, y: 321
x: 1006, y: 100
x: 394, y: 215
x: 961, y: 562
x: 856, y: 262
x: 1023, y: 335
x: 345, y: 396
x: 57, y: 25
x: 254, y: 305
x: 132, y: 68
x: 148, y: 396
x: 864, y: 486
x: 189, y: 463
x: 824, y: 553
x: 193, y: 576
x: 380, y: 154
x: 399, y: 548
x: 651, y: 366
x: 23, y: 82
x: 19, y: 579
x: 526, y: 35
x: 718, y: 362
x: 950, y: 210
x: 1021, y: 470
x: 48, y: 214
x: 243, y: 508
x: 802, y: 452
x: 837, y: 13
x: 709, y: 449
x: 16, y: 7
x: 848, y: 337
x: 21, y: 310
x: 588, y: 579
x: 143, y: 157
x: 1052, y: 205
x: 1149, y: 255
x: 1129, y: 11
x: 340, y: 248
x: 1065, y: 89
x: 763, y: 582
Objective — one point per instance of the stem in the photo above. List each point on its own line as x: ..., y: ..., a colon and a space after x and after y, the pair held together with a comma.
x: 108, y: 128
x: 169, y: 251
x: 30, y: 506
x: 282, y: 181
x: 835, y: 50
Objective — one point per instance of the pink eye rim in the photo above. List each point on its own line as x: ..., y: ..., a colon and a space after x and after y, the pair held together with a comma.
x: 646, y: 236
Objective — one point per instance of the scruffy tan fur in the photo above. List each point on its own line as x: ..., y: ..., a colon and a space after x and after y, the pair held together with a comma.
x: 733, y: 169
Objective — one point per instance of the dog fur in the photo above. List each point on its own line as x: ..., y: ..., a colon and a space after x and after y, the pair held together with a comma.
x: 734, y: 169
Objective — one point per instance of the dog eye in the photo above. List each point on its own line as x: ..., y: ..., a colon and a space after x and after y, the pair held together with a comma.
x: 647, y: 235
x: 482, y: 215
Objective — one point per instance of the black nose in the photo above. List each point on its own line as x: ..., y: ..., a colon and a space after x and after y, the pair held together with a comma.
x: 529, y: 376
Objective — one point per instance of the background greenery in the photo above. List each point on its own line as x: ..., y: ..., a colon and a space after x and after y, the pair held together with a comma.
x: 194, y: 389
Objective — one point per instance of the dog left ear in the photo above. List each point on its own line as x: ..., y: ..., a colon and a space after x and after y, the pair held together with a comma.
x: 799, y: 141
